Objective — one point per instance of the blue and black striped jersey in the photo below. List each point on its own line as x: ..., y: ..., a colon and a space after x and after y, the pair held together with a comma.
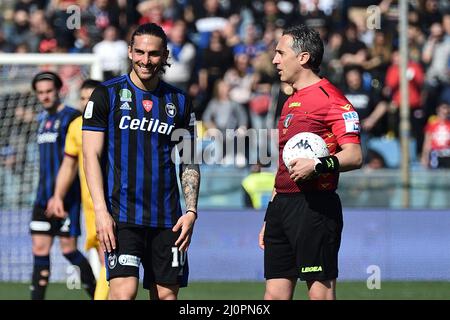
x: 51, y: 138
x: 139, y: 175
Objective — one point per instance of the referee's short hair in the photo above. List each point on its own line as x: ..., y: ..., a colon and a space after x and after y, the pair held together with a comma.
x: 47, y: 75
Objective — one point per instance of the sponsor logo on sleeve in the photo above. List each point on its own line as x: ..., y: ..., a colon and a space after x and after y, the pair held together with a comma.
x: 89, y: 110
x: 351, y: 120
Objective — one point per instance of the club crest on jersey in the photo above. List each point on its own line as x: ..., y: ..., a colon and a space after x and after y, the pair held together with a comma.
x: 171, y: 110
x: 147, y: 104
x: 287, y: 120
x: 57, y: 124
x: 125, y: 95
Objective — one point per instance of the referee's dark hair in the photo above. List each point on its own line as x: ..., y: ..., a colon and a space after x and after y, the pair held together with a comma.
x: 47, y: 75
x: 307, y: 39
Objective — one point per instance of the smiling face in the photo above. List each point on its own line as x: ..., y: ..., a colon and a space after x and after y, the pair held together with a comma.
x: 287, y: 62
x: 148, y: 56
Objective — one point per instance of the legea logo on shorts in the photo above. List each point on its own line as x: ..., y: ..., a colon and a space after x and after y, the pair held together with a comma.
x: 311, y: 269
x: 112, y: 261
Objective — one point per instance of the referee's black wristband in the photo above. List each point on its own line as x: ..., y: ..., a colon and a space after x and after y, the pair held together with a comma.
x: 329, y: 164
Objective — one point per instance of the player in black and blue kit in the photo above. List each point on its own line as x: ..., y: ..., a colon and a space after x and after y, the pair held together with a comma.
x: 130, y: 127
x: 51, y: 137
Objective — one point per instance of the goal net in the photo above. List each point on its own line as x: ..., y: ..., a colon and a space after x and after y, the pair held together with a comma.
x: 19, y: 156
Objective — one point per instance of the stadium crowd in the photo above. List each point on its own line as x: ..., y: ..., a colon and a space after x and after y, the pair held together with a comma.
x: 221, y: 53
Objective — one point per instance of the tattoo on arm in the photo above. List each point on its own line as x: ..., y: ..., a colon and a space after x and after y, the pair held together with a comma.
x: 190, y: 182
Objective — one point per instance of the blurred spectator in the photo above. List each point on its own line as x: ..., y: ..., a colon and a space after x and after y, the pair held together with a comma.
x: 181, y: 57
x: 367, y: 103
x: 113, y: 54
x: 215, y: 61
x: 261, y: 100
x: 83, y: 42
x: 240, y: 77
x: 374, y: 161
x: 429, y: 14
x: 379, y: 59
x: 100, y: 15
x: 258, y: 187
x: 272, y: 15
x: 314, y: 17
x: 352, y: 51
x: 416, y: 41
x: 331, y: 66
x: 152, y: 11
x: 20, y: 30
x: 251, y: 45
x: 436, y: 145
x: 415, y: 77
x: 436, y: 55
x: 221, y: 114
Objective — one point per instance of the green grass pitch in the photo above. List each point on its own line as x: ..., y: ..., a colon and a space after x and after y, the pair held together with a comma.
x: 254, y: 291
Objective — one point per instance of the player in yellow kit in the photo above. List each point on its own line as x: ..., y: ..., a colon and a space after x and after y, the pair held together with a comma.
x: 73, y: 160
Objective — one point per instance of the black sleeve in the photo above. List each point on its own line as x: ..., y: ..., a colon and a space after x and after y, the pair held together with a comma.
x: 95, y: 117
x: 189, y: 118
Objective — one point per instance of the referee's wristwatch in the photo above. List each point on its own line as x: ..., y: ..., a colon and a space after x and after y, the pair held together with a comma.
x: 318, y: 166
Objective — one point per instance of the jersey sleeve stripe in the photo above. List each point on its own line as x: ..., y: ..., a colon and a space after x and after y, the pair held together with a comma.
x: 88, y: 128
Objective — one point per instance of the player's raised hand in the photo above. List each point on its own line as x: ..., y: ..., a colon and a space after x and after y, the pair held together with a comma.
x: 55, y: 207
x: 186, y: 223
x: 301, y: 169
x: 105, y: 226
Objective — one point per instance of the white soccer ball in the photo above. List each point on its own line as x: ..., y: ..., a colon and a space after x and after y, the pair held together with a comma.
x: 304, y: 145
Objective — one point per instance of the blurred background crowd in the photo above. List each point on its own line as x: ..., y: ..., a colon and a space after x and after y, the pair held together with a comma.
x: 221, y: 52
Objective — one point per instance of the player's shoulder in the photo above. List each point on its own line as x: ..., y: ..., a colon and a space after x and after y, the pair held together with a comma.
x: 336, y: 97
x: 73, y: 112
x: 168, y: 88
x: 76, y: 123
x: 114, y: 81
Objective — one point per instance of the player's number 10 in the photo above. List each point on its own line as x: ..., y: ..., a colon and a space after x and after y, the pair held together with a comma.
x: 178, y: 257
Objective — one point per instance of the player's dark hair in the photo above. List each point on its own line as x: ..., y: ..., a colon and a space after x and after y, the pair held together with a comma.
x: 47, y: 75
x: 151, y: 29
x: 90, y: 84
x: 307, y: 39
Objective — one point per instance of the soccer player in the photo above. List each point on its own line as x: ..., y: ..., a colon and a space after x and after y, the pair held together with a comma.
x: 301, y: 234
x: 51, y: 137
x: 71, y: 164
x: 130, y: 127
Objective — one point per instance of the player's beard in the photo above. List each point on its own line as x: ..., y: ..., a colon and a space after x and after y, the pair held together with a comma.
x: 145, y: 76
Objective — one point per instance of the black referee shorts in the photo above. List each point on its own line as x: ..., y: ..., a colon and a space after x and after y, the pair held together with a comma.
x: 303, y: 236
